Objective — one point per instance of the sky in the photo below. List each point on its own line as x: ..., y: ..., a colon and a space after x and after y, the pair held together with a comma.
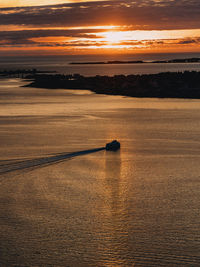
x: 33, y: 27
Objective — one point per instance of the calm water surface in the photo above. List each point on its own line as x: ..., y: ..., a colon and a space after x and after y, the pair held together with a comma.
x: 136, y: 207
x: 61, y: 64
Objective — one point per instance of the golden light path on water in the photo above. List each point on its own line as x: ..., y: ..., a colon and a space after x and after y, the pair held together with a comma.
x: 138, y: 206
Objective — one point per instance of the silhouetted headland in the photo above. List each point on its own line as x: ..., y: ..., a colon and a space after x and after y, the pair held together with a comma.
x: 163, y: 85
x: 185, y: 60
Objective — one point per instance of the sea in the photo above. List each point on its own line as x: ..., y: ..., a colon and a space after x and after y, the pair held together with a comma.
x: 61, y: 64
x: 66, y: 201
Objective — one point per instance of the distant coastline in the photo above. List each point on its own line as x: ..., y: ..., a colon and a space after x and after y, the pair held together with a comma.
x: 163, y: 85
x: 185, y: 60
x: 22, y: 73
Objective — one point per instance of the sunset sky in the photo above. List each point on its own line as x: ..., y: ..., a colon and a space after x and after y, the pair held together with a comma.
x: 89, y: 27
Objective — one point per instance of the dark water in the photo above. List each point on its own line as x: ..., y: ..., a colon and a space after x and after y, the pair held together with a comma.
x: 136, y: 207
x: 61, y: 64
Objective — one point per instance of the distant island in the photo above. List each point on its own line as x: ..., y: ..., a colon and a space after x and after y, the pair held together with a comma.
x: 163, y: 85
x: 185, y: 60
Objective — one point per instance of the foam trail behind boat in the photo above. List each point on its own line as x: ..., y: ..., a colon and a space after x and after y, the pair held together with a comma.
x: 15, y: 165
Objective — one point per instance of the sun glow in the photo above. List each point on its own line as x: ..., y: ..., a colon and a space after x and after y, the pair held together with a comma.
x: 14, y: 3
x: 120, y: 36
x: 101, y: 38
x: 114, y: 37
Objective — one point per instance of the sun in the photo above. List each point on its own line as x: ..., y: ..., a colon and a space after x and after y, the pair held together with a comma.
x: 114, y: 37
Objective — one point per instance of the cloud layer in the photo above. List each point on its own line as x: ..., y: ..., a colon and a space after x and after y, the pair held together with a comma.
x: 73, y: 24
x: 142, y: 14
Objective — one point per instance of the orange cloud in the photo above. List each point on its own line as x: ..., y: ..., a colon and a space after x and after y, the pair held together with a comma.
x: 76, y: 26
x: 15, y: 3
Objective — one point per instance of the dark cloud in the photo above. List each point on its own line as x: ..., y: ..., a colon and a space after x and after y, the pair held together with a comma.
x: 142, y: 14
x: 190, y: 41
x: 130, y: 15
x: 26, y: 36
x: 50, y: 33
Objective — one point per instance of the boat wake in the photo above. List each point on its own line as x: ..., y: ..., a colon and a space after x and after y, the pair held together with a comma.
x: 20, y: 164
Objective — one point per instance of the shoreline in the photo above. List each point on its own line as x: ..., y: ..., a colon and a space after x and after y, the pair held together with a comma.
x: 185, y: 60
x: 163, y: 85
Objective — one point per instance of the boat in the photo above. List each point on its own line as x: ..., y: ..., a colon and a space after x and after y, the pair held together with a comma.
x: 113, y: 146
